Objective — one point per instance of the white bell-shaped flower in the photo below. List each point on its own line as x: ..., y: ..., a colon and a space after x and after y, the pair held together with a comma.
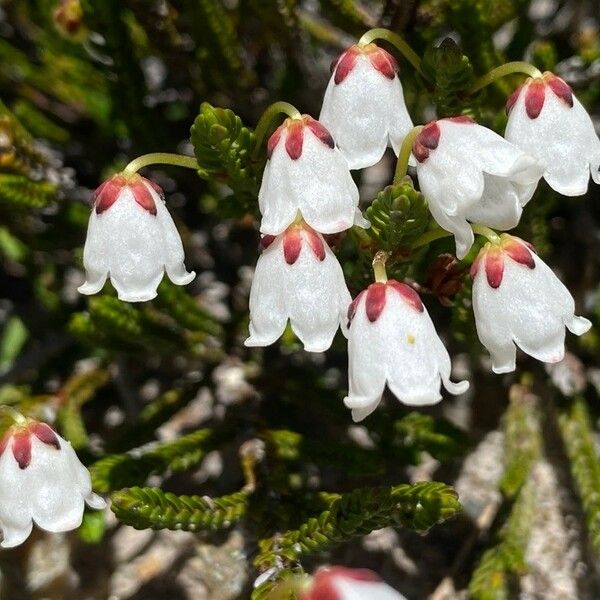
x: 517, y: 299
x: 340, y: 583
x: 131, y: 239
x: 298, y: 278
x: 41, y: 482
x: 469, y: 173
x: 306, y: 172
x: 364, y: 107
x: 391, y: 339
x: 547, y: 121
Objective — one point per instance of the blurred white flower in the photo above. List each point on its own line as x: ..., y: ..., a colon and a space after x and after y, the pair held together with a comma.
x: 41, y: 482
x: 131, y: 239
x: 364, y: 105
x: 297, y: 278
x: 392, y: 340
x: 517, y: 299
x: 547, y: 121
x: 469, y: 173
x: 306, y: 172
x: 340, y: 583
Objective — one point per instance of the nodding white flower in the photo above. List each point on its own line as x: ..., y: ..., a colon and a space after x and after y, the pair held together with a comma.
x: 340, y: 583
x: 517, y: 299
x: 306, y: 172
x: 547, y: 121
x: 132, y: 239
x: 298, y: 278
x: 469, y: 173
x: 41, y: 482
x: 364, y: 105
x: 391, y: 339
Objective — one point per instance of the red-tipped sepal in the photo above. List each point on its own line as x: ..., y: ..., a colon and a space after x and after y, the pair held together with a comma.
x: 534, y: 98
x: 408, y: 294
x: 110, y: 191
x: 427, y: 140
x: 519, y: 250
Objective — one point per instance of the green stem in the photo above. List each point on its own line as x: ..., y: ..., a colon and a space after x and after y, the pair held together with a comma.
x: 393, y: 38
x: 404, y: 154
x: 379, y: 266
x: 430, y: 236
x: 15, y: 415
x: 486, y: 232
x: 503, y: 71
x: 264, y: 123
x: 160, y: 158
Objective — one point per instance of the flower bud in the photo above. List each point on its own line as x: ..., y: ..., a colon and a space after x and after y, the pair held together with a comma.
x: 306, y: 172
x: 298, y: 278
x: 392, y: 340
x: 41, y: 482
x: 547, y: 121
x: 517, y: 299
x: 469, y: 173
x: 364, y: 105
x: 131, y: 239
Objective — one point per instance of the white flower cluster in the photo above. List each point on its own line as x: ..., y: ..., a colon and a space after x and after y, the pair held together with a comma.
x: 474, y: 181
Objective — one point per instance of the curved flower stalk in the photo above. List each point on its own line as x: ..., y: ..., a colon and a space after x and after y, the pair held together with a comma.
x: 392, y: 340
x: 469, y: 173
x: 41, y: 482
x: 297, y: 278
x: 364, y: 105
x: 517, y: 299
x: 547, y: 121
x: 131, y: 239
x: 340, y: 583
x: 306, y: 172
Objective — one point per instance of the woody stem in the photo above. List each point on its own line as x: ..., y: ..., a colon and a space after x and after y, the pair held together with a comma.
x: 395, y: 40
x: 160, y: 158
x: 264, y: 123
x: 503, y: 71
x: 379, y: 266
x: 404, y: 154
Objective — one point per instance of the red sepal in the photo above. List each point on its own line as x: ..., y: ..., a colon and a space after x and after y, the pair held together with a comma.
x: 142, y: 195
x: 512, y: 99
x: 266, y: 241
x: 375, y: 301
x: 107, y: 193
x: 426, y: 141
x: 45, y: 434
x: 294, y: 138
x: 320, y: 131
x: 323, y: 587
x: 408, y: 294
x: 353, y: 306
x: 560, y: 88
x: 21, y: 448
x: 519, y: 252
x: 534, y: 98
x: 494, y: 266
x: 292, y: 244
x: 316, y: 243
x: 274, y: 140
x: 345, y: 65
x: 383, y: 62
